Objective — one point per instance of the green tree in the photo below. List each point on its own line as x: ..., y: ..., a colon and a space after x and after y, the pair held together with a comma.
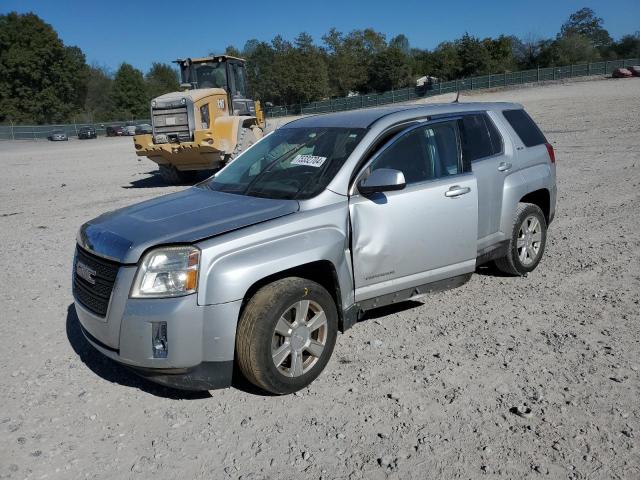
x: 570, y: 49
x: 129, y: 93
x: 390, y: 69
x: 232, y: 51
x: 474, y: 56
x: 161, y: 79
x: 98, y: 104
x: 585, y: 22
x: 446, y: 61
x: 628, y: 46
x: 500, y: 53
x: 401, y: 42
x: 347, y: 61
x: 41, y: 79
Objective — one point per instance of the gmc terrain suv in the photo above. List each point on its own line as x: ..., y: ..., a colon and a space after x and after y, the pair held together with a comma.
x: 329, y: 216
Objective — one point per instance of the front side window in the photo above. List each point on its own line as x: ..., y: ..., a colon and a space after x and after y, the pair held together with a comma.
x: 424, y: 153
x: 291, y: 163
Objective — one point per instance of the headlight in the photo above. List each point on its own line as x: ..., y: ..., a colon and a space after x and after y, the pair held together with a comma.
x: 153, y: 104
x: 167, y: 272
x: 183, y: 101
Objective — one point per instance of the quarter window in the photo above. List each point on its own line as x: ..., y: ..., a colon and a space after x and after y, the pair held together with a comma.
x: 424, y: 153
x: 479, y: 137
x: 525, y: 127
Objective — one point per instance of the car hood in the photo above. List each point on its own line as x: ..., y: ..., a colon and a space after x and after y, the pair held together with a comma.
x: 184, y: 217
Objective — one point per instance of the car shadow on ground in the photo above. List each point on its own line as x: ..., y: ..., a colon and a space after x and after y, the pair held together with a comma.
x: 389, y: 310
x: 114, y: 372
x: 154, y: 180
x: 490, y: 270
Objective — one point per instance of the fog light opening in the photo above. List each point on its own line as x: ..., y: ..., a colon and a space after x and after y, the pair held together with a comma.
x: 159, y: 343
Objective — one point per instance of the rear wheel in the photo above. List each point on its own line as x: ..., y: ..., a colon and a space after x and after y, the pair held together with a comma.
x: 286, y: 335
x: 173, y: 176
x: 527, y: 243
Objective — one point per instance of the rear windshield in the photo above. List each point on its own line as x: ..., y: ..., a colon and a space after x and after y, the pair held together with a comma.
x: 525, y: 127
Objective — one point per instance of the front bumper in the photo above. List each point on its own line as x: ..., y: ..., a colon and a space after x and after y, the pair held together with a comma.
x: 200, y: 154
x: 200, y: 339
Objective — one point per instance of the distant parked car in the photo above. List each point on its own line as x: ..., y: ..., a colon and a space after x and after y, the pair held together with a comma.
x: 87, y: 132
x: 143, y: 129
x: 635, y: 70
x: 129, y: 128
x: 622, y: 73
x: 115, y: 131
x: 57, y: 136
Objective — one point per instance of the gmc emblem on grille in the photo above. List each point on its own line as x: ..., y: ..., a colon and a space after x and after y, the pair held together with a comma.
x: 86, y: 273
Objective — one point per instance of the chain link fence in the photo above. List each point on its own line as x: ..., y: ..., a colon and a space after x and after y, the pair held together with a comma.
x: 41, y: 132
x: 38, y: 132
x: 473, y: 83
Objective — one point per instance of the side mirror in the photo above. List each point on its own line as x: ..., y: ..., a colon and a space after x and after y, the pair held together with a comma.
x: 382, y: 180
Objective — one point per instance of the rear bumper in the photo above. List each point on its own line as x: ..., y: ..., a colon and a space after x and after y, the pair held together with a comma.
x: 200, y: 340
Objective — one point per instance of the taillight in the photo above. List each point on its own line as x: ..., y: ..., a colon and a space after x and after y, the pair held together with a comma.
x: 552, y: 154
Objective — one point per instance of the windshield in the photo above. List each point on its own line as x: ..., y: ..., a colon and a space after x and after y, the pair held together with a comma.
x: 209, y: 75
x: 291, y: 163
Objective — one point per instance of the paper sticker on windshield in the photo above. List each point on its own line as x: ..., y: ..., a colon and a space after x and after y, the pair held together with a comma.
x: 308, y: 160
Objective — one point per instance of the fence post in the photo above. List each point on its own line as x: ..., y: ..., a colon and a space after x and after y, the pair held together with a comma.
x: 571, y: 75
x: 538, y: 79
x: 393, y: 100
x: 588, y: 68
x: 13, y: 137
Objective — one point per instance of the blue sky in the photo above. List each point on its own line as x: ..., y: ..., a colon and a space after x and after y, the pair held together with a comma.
x: 141, y: 32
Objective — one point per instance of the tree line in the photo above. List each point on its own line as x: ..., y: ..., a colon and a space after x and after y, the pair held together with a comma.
x: 44, y: 81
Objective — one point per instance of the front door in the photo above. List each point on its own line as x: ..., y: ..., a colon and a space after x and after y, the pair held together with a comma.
x: 425, y: 232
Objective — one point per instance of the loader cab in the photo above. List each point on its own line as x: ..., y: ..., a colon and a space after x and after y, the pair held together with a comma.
x: 221, y: 71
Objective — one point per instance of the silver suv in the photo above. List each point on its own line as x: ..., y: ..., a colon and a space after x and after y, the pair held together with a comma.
x: 329, y: 216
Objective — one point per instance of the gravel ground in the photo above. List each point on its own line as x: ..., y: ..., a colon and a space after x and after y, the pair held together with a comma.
x: 425, y: 390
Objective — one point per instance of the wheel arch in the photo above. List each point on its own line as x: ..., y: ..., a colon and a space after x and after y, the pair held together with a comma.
x: 322, y: 272
x: 541, y: 198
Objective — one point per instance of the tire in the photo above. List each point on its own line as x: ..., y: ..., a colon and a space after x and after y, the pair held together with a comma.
x: 171, y: 175
x: 247, y: 136
x: 266, y: 357
x: 527, y: 243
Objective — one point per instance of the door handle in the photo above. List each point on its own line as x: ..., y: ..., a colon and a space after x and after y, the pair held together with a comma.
x: 504, y: 166
x: 456, y: 191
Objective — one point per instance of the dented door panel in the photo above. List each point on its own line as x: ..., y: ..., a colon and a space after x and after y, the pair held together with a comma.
x: 413, y: 236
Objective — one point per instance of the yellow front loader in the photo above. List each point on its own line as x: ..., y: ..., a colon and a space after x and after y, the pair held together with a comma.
x: 207, y: 124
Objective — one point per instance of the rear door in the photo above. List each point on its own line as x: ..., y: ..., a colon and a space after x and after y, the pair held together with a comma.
x: 425, y: 232
x: 483, y: 147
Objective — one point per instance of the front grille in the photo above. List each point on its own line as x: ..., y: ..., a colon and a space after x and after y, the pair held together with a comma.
x: 171, y: 121
x: 94, y: 297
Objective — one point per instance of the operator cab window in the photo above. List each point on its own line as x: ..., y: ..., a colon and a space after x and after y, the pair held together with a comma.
x: 424, y: 153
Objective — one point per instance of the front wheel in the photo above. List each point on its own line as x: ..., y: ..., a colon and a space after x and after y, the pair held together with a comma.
x: 527, y: 243
x: 173, y: 176
x: 286, y: 335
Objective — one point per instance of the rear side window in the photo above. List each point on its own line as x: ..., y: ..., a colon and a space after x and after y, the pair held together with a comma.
x: 479, y: 137
x: 525, y: 127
